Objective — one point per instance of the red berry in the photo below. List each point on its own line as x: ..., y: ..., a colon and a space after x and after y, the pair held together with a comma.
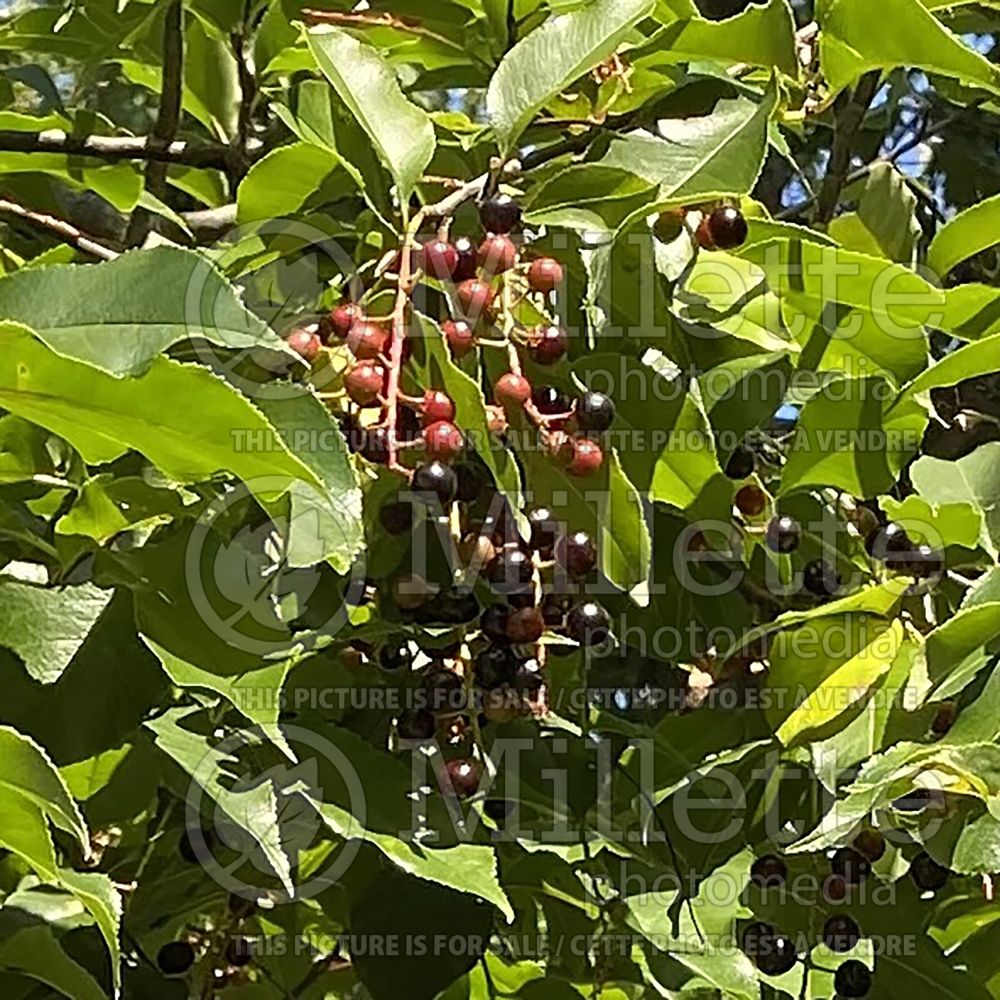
x: 343, y: 317
x: 461, y: 777
x: 437, y: 405
x: 549, y: 345
x: 306, y: 343
x: 443, y: 440
x: 476, y: 298
x: 366, y: 340
x: 439, y: 259
x: 364, y: 382
x: 581, y: 456
x: 497, y: 254
x: 545, y: 274
x: 703, y: 235
x: 525, y: 625
x: 512, y: 391
x: 460, y: 336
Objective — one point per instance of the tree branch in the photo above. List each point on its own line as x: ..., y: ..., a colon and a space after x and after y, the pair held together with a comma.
x: 65, y: 231
x: 167, y: 119
x: 848, y: 121
x: 114, y: 148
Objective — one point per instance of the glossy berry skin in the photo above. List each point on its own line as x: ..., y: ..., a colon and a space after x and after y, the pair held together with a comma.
x: 443, y: 442
x: 512, y: 391
x: 544, y: 529
x: 343, y: 317
x: 892, y: 539
x: 510, y: 571
x: 460, y: 336
x: 548, y: 400
x: 528, y: 679
x: 783, y: 535
x: 367, y: 341
x: 496, y: 254
x: 923, y: 562
x: 741, y: 463
x: 175, y: 958
x: 436, y: 479
x: 727, y: 227
x: 841, y: 933
x: 545, y: 274
x: 305, y: 343
x: 927, y: 874
x: 476, y: 298
x: 416, y: 724
x: 461, y: 777
x: 585, y: 457
x: 852, y: 980
x: 850, y: 865
x: 772, y: 953
x: 555, y: 607
x: 549, y: 344
x: 239, y: 951
x: 465, y: 259
x: 437, y: 405
x: 594, y: 412
x: 394, y: 657
x: 820, y: 578
x: 439, y: 259
x: 494, y: 666
x: 493, y: 623
x: 374, y: 445
x: 499, y: 214
x: 525, y: 625
x: 768, y: 871
x: 576, y: 554
x: 588, y: 624
x: 750, y: 500
x: 365, y: 382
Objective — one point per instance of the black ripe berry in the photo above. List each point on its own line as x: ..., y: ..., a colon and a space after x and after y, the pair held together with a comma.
x: 771, y: 952
x: 555, y: 607
x: 820, y: 578
x: 473, y: 481
x: 741, y: 463
x: 239, y: 951
x: 443, y: 690
x: 576, y: 554
x: 588, y: 624
x: 927, y: 874
x: 436, y: 479
x: 841, y: 933
x: 783, y: 535
x: 852, y: 980
x: 499, y: 214
x: 871, y: 843
x: 493, y: 622
x: 594, y: 411
x: 525, y: 625
x: 465, y: 262
x: 544, y: 530
x: 850, y: 865
x: 888, y: 541
x: 395, y: 657
x: 768, y: 872
x: 510, y: 572
x: 494, y: 667
x: 727, y: 227
x: 528, y: 678
x: 416, y: 724
x: 175, y: 958
x: 549, y: 400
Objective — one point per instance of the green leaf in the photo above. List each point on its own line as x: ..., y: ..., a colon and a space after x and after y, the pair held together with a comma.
x: 886, y: 216
x: 957, y: 523
x: 99, y: 896
x: 970, y: 232
x: 760, y: 35
x: 283, y: 181
x: 31, y: 784
x: 324, y: 523
x: 551, y: 57
x: 47, y: 626
x: 35, y: 952
x: 853, y: 40
x: 402, y: 132
x: 194, y: 437
x: 93, y: 313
